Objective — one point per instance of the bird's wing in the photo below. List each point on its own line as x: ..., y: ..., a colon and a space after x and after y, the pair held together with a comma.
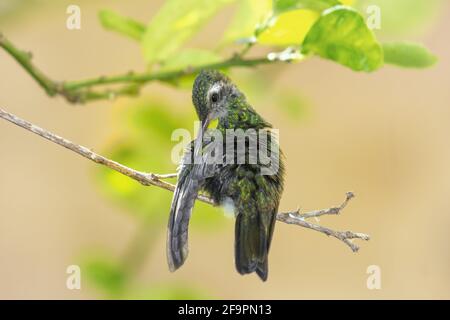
x: 191, y: 177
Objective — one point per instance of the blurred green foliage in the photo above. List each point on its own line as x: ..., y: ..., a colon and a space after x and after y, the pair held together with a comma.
x: 293, y: 104
x: 324, y: 28
x: 248, y: 15
x: 175, y: 23
x: 105, y: 273
x: 126, y: 26
x: 399, y: 53
x: 280, y: 6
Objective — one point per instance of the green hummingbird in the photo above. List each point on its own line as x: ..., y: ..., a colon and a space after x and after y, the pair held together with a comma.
x: 247, y: 187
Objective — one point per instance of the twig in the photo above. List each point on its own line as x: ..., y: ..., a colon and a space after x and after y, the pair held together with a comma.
x: 151, y: 179
x: 166, y: 176
x: 24, y: 59
x: 298, y: 218
x: 334, y: 210
x: 82, y: 91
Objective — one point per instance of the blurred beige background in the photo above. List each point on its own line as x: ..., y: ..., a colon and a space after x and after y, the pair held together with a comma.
x: 384, y: 136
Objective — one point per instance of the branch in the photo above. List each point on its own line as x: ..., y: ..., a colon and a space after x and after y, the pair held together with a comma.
x: 298, y: 218
x: 152, y: 179
x: 82, y: 91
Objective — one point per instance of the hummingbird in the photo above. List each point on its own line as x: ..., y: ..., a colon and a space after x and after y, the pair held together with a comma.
x: 242, y: 187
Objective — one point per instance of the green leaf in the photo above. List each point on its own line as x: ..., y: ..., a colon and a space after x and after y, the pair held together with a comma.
x: 406, y: 54
x: 291, y: 21
x: 249, y: 14
x: 290, y: 28
x: 174, y: 24
x: 341, y: 35
x: 280, y: 6
x: 123, y: 25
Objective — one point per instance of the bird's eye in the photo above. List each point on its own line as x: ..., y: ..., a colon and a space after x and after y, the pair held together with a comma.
x: 215, y: 97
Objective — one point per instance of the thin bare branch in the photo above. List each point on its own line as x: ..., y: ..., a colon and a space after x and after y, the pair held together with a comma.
x: 152, y: 179
x: 167, y: 176
x: 144, y: 178
x: 330, y: 211
x: 344, y: 236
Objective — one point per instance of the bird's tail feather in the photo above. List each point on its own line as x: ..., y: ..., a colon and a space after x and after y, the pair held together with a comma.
x: 252, y: 242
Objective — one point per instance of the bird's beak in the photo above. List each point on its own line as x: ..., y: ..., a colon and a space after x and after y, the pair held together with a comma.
x: 201, y: 131
x: 205, y: 124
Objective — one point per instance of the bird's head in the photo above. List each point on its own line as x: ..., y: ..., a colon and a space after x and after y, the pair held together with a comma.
x: 211, y: 95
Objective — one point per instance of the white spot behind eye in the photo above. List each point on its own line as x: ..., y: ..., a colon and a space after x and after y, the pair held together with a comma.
x: 215, y: 92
